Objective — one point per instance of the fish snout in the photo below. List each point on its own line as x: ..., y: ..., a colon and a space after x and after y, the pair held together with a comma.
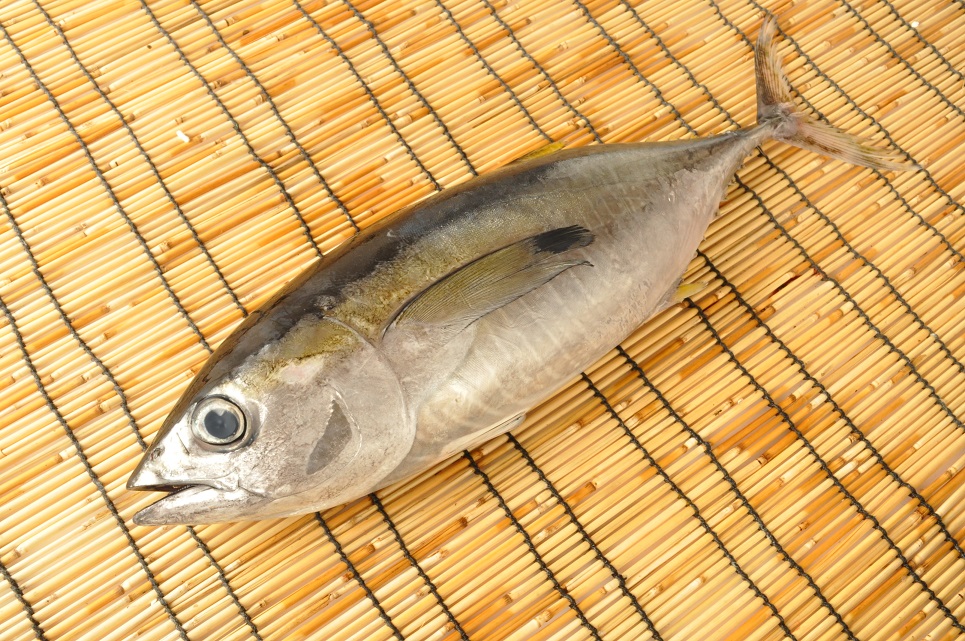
x: 144, y: 477
x: 152, y: 471
x: 161, y: 469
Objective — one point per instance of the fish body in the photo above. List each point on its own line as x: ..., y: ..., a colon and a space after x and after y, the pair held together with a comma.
x: 647, y: 207
x: 442, y: 325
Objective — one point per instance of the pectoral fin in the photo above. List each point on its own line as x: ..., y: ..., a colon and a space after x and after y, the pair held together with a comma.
x: 496, y: 279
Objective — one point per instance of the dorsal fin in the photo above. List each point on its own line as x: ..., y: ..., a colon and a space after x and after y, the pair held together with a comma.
x: 539, y: 152
x: 495, y: 279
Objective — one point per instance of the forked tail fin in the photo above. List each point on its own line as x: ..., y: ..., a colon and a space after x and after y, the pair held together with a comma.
x: 775, y: 105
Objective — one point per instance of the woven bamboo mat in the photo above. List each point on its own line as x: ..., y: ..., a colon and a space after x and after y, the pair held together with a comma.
x: 784, y: 456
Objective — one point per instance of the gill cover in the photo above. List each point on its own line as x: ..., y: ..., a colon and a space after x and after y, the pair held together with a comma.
x: 356, y: 394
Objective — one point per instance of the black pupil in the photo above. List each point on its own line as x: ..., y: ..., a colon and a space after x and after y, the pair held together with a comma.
x: 221, y: 424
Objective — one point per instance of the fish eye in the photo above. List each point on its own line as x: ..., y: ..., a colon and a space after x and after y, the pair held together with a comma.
x: 218, y: 421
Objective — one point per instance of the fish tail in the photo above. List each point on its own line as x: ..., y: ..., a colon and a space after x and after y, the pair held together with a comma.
x: 777, y: 109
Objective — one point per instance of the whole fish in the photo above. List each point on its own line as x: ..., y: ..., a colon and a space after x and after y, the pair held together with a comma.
x: 442, y: 325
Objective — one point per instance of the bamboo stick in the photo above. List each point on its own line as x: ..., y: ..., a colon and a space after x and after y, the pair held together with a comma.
x: 788, y: 489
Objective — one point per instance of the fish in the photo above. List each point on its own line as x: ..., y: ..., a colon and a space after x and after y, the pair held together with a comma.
x: 440, y: 326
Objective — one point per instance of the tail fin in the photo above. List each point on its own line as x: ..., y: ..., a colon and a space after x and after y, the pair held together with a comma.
x: 791, y: 124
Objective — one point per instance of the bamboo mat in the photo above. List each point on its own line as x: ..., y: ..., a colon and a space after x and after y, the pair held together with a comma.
x: 781, y: 457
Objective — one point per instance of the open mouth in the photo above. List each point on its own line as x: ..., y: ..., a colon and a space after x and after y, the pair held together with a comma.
x: 171, y: 489
x: 188, y: 502
x: 190, y: 505
x: 183, y: 505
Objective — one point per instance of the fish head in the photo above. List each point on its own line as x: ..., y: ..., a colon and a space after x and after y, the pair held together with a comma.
x: 303, y: 421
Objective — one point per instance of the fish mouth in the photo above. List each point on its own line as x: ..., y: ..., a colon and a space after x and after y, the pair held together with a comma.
x: 170, y: 488
x: 194, y: 504
x: 189, y: 501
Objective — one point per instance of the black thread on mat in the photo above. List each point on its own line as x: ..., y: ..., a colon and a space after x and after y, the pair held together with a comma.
x: 306, y: 230
x: 693, y: 506
x: 143, y: 153
x: 542, y: 71
x: 941, y: 96
x: 854, y: 106
x: 532, y: 547
x: 894, y: 291
x: 632, y: 67
x: 586, y: 536
x: 35, y: 268
x: 90, y: 471
x: 854, y: 428
x: 827, y: 470
x: 881, y: 336
x: 894, y: 11
x: 358, y: 578
x: 106, y: 185
x: 274, y: 109
x: 435, y: 116
x: 418, y: 568
x: 375, y: 101
x: 877, y: 332
x: 223, y: 579
x: 855, y: 253
x: 122, y: 396
x: 755, y: 516
x: 24, y: 603
x: 492, y: 72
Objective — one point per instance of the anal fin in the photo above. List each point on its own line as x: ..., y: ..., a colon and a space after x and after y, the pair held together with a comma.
x: 493, y: 431
x: 680, y: 293
x: 686, y: 290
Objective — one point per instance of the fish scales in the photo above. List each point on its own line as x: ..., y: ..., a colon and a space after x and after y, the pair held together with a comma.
x: 442, y: 325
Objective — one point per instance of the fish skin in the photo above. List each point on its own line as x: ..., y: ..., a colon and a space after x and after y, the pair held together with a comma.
x: 342, y: 400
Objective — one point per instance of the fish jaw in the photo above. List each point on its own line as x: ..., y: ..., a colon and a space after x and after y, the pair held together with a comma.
x: 195, y: 504
x: 188, y: 500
